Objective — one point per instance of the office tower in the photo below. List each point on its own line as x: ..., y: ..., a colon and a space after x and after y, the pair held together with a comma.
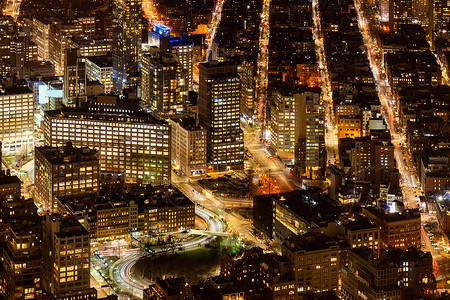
x: 66, y: 257
x: 247, y: 88
x: 290, y: 112
x: 88, y: 23
x: 89, y: 46
x: 373, y: 160
x: 168, y: 210
x: 17, y: 125
x: 61, y: 171
x: 315, y: 260
x: 126, y: 43
x: 297, y: 128
x: 21, y: 254
x: 184, y: 50
x: 40, y: 29
x: 164, y: 83
x: 99, y: 68
x: 218, y: 112
x: 396, y: 274
x: 74, y: 78
x: 57, y: 43
x: 396, y: 12
x: 188, y: 146
x: 440, y: 14
x: 135, y: 144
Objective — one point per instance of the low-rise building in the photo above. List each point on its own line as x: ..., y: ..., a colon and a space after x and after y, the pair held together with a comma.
x: 395, y: 274
x: 366, y: 277
x: 10, y: 187
x: 169, y: 289
x: 363, y: 233
x: 399, y: 230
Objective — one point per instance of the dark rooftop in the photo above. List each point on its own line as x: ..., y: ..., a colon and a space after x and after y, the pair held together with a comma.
x: 68, y: 154
x: 310, y: 241
x: 408, y: 214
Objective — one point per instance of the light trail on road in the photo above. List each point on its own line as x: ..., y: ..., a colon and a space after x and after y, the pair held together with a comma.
x: 331, y: 134
x: 150, y: 11
x: 121, y: 272
x: 390, y: 111
x: 263, y: 59
x: 213, y: 26
x: 12, y: 8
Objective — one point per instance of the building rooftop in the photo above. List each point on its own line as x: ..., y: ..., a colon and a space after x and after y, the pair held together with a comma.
x: 172, y: 286
x: 67, y: 154
x: 362, y: 223
x: 188, y: 123
x: 68, y: 226
x: 408, y: 214
x: 310, y: 241
x: 103, y: 61
x: 105, y: 114
x: 7, y: 179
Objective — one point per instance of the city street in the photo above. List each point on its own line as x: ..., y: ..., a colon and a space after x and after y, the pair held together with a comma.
x: 121, y: 270
x: 409, y: 182
x: 331, y: 132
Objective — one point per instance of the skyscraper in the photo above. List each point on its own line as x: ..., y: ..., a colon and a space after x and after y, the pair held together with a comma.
x: 66, y: 261
x: 16, y: 123
x: 165, y: 83
x: 218, y: 111
x: 74, y: 77
x: 127, y: 43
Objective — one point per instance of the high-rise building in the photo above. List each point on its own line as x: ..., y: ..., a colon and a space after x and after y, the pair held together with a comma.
x: 188, y: 146
x: 184, y: 50
x: 218, y: 112
x: 66, y: 259
x: 247, y: 88
x: 21, y: 255
x: 58, y: 36
x: 61, y: 171
x: 373, y: 160
x: 164, y: 83
x: 17, y: 121
x: 136, y: 144
x: 298, y: 128
x: 99, y: 68
x: 293, y: 118
x: 440, y: 14
x: 361, y: 160
x: 75, y: 80
x: 40, y: 29
x: 126, y: 43
x: 159, y: 36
